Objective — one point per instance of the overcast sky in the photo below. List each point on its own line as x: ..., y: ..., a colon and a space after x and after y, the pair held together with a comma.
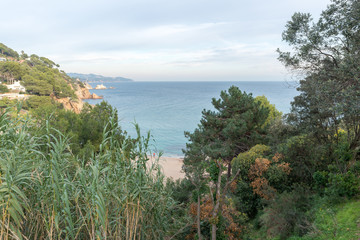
x: 156, y: 40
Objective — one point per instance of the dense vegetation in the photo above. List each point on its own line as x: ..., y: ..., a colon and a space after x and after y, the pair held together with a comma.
x: 39, y: 75
x: 284, y: 175
x: 6, y: 51
x: 251, y: 172
x: 47, y: 192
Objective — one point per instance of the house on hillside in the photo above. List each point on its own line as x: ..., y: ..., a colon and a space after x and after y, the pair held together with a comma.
x: 2, y: 59
x: 16, y: 86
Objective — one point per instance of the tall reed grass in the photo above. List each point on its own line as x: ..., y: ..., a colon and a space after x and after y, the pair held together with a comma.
x: 48, y: 193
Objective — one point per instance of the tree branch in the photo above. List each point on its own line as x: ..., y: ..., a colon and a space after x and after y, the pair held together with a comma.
x: 233, y: 179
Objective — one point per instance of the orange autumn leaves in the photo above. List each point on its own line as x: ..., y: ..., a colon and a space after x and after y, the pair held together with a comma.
x: 229, y: 213
x: 259, y: 182
x: 262, y: 173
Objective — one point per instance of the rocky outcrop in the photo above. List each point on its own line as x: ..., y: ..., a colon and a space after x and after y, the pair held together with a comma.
x: 83, y: 93
x: 75, y: 106
x: 100, y: 86
x: 88, y: 86
x: 94, y: 96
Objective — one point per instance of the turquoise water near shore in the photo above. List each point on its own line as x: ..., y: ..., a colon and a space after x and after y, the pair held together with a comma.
x: 167, y: 109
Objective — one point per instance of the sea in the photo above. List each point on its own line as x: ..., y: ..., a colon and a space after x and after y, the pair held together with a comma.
x: 167, y: 109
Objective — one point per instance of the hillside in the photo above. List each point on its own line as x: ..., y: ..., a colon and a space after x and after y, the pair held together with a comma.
x: 98, y: 78
x: 330, y: 221
x: 40, y: 77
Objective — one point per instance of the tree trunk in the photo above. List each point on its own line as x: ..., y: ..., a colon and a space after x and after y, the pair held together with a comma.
x: 216, y: 206
x: 229, y: 171
x: 213, y: 231
x: 198, y: 218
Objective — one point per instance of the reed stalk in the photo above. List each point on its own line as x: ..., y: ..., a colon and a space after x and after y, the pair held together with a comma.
x: 47, y: 193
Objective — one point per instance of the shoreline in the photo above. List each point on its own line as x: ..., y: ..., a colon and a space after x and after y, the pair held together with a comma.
x: 171, y: 166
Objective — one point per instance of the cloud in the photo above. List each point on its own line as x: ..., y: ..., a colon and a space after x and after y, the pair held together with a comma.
x: 155, y: 38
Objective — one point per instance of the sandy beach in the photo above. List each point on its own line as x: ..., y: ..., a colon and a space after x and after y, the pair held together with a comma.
x: 172, y: 167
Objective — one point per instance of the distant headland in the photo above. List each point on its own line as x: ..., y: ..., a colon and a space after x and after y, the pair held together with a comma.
x: 98, y: 78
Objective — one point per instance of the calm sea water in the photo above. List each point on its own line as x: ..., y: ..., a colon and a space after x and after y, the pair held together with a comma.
x: 167, y: 109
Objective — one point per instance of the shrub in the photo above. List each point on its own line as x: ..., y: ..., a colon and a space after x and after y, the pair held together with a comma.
x: 342, y: 185
x: 244, y: 160
x: 305, y: 157
x: 3, y: 88
x: 287, y: 214
x: 37, y: 101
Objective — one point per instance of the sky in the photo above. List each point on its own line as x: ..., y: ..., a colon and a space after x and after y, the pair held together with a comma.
x: 156, y: 40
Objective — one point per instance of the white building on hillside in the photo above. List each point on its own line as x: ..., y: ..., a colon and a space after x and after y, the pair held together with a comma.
x: 16, y: 86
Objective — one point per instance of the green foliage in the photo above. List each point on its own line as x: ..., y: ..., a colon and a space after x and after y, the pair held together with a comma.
x: 235, y: 126
x: 23, y: 55
x: 274, y: 115
x: 321, y: 137
x: 341, y: 179
x: 305, y: 157
x: 36, y: 102
x: 3, y: 88
x: 326, y: 51
x: 339, y: 221
x: 244, y: 160
x: 278, y: 178
x: 319, y: 141
x: 181, y: 189
x: 85, y: 129
x: 288, y: 214
x: 38, y: 75
x: 94, y: 120
x: 5, y: 102
x: 47, y: 193
x: 213, y: 170
x: 87, y: 152
x: 6, y: 51
x: 336, y: 222
x: 245, y: 200
x: 37, y: 85
x: 10, y: 70
x: 44, y: 80
x: 336, y: 186
x: 342, y: 185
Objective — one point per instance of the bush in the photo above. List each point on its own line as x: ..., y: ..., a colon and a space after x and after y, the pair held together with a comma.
x: 287, y: 214
x: 38, y: 101
x: 181, y: 189
x: 3, y: 88
x: 305, y: 157
x: 244, y: 160
x: 342, y: 185
x: 320, y: 181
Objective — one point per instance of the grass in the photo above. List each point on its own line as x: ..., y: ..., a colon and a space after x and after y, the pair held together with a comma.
x: 339, y: 222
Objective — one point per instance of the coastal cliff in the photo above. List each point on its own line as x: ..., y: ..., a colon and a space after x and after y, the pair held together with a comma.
x: 77, y: 105
x: 83, y: 93
x: 69, y: 104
